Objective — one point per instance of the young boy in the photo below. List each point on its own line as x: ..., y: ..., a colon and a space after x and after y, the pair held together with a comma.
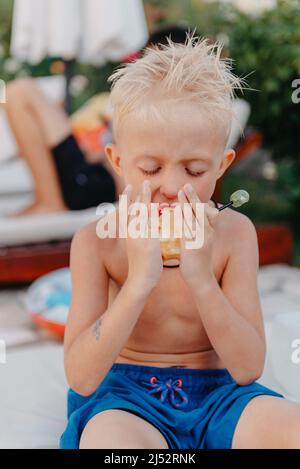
x: 169, y: 358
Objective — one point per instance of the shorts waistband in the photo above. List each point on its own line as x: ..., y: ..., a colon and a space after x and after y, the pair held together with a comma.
x: 191, y: 377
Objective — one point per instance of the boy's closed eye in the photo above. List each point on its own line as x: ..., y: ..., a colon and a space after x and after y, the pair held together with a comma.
x: 150, y: 172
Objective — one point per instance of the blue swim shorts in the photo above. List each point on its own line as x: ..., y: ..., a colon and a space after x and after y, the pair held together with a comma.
x: 192, y: 408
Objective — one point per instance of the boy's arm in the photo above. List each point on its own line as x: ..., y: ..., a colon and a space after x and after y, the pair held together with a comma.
x: 95, y: 334
x: 231, y: 314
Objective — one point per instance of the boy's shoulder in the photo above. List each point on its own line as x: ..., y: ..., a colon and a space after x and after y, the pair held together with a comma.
x: 88, y: 240
x: 237, y: 229
x: 87, y: 233
x: 233, y: 219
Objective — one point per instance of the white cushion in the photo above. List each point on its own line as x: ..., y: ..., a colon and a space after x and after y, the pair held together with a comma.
x: 284, y: 351
x: 33, y: 391
x: 49, y: 227
x: 8, y: 143
x: 15, y: 177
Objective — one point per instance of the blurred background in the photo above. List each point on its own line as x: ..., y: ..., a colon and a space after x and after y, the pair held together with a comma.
x: 263, y: 39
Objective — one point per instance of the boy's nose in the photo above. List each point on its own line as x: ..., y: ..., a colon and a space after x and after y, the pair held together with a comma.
x: 169, y: 196
x: 169, y: 191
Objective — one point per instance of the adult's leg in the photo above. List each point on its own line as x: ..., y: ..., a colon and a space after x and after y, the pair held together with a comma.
x: 268, y: 422
x: 37, y: 124
x: 118, y: 429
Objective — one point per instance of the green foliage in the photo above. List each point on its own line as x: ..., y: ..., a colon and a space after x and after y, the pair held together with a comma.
x: 97, y: 81
x: 269, y: 46
x: 157, y: 3
x: 5, y: 31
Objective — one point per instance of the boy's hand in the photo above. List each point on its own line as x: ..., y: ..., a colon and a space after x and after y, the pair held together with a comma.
x: 144, y: 255
x: 196, y: 264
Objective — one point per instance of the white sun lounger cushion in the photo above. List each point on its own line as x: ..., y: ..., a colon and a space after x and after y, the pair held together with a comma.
x: 44, y: 228
x: 33, y: 393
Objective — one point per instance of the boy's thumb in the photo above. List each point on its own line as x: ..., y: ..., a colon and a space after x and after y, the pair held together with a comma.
x: 212, y: 214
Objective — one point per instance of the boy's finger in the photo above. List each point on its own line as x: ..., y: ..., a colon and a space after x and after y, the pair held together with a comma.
x: 146, y: 192
x: 212, y: 214
x: 192, y: 198
x: 146, y: 196
x: 186, y: 216
x: 131, y: 209
x: 128, y: 187
x: 127, y: 192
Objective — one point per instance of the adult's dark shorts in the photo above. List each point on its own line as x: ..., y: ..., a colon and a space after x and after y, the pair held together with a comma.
x: 83, y: 184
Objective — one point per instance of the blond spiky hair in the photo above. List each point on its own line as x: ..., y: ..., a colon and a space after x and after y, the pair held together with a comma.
x: 179, y: 72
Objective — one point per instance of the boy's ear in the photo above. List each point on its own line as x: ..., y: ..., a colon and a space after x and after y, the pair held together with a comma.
x: 228, y: 158
x: 112, y: 154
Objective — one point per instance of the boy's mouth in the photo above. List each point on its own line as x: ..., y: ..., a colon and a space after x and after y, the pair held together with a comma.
x: 163, y: 205
x: 166, y: 204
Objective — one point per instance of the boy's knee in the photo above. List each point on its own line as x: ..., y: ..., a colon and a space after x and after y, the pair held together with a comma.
x: 120, y: 429
x: 294, y: 435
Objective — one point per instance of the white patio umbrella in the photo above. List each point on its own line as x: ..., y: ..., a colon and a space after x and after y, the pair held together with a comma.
x: 91, y: 31
x: 252, y: 6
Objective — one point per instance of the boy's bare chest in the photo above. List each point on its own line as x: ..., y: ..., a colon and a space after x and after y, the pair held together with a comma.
x: 171, y: 298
